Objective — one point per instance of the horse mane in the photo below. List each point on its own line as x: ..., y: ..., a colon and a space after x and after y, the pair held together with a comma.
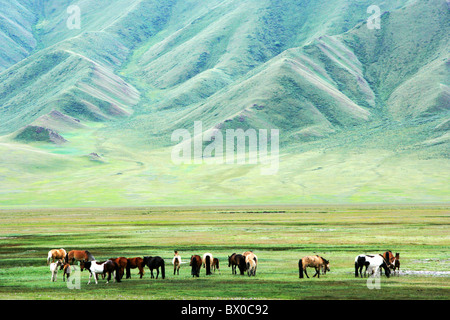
x: 324, y: 260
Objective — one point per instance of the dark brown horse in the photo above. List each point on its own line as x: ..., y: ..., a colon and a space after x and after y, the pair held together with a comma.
x: 237, y: 260
x: 133, y: 263
x: 155, y: 263
x: 196, y: 264
x: 122, y: 263
x: 78, y: 255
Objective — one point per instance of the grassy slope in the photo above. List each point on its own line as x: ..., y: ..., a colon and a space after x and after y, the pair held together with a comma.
x: 266, y: 70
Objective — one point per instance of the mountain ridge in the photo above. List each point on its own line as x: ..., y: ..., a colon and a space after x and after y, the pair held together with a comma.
x: 136, y: 71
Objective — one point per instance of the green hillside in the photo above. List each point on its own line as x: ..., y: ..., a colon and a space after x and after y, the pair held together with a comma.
x: 87, y: 114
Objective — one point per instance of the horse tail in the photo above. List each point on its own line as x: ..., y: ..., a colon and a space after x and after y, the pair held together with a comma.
x: 49, y: 256
x: 66, y: 258
x: 356, y: 269
x: 208, y: 265
x: 300, y: 268
x: 163, y: 269
x: 90, y: 256
x: 194, y: 267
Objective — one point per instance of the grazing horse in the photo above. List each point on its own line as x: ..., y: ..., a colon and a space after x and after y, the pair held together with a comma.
x: 215, y: 265
x: 95, y: 268
x: 78, y: 255
x: 196, y: 263
x: 397, y: 264
x: 54, y: 266
x: 237, y: 260
x: 176, y: 261
x: 251, y: 262
x: 389, y: 257
x: 207, y: 261
x: 155, y: 263
x: 122, y: 262
x: 315, y: 262
x: 67, y: 270
x: 373, y: 263
x: 133, y: 263
x: 56, y: 254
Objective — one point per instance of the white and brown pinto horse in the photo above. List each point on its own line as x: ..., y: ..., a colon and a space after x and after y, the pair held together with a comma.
x: 56, y: 254
x: 176, y: 261
x: 251, y: 262
x: 315, y: 262
x: 94, y: 268
x: 207, y: 262
x: 373, y: 263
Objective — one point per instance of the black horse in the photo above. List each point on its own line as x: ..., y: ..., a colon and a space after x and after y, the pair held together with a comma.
x: 155, y: 263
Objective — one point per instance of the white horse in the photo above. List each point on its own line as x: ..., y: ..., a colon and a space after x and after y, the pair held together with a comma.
x: 54, y: 266
x: 373, y: 264
x: 251, y: 262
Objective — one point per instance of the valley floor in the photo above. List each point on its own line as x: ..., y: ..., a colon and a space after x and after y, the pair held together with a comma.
x: 279, y: 236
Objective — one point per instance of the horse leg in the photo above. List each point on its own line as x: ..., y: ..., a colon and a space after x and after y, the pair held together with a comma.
x: 306, y: 273
x: 317, y: 272
x: 128, y: 276
x: 157, y: 273
x: 152, y: 277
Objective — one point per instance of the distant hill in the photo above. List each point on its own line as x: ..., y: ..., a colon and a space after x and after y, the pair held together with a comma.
x: 363, y: 113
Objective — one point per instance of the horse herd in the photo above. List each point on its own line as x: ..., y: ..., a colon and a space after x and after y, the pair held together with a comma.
x: 59, y: 259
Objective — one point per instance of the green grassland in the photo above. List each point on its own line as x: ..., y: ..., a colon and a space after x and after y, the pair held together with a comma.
x: 278, y: 235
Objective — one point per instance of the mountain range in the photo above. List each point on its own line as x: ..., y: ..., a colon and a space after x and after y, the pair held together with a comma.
x: 87, y: 112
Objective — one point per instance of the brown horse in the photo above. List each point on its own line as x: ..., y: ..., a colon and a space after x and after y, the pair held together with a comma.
x: 122, y: 263
x: 396, y: 265
x: 215, y: 265
x: 67, y: 270
x: 315, y: 262
x: 56, y: 254
x: 176, y: 261
x: 237, y: 260
x: 78, y: 255
x: 196, y: 263
x: 133, y: 263
x: 389, y: 258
